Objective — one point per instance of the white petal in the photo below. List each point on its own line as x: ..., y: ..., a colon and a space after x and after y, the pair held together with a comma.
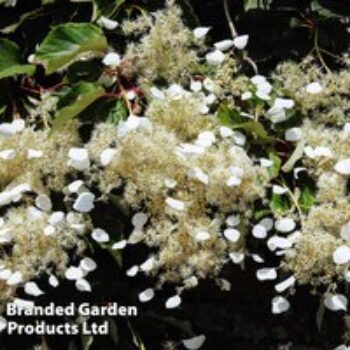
x: 202, y: 236
x: 259, y: 231
x: 175, y: 204
x: 43, y: 202
x: 257, y: 258
x: 49, y: 230
x: 198, y: 174
x: 194, y: 343
x: 8, y: 154
x: 34, y: 154
x: 139, y: 220
x: 107, y: 156
x: 236, y: 257
x: 119, y: 245
x: 173, y: 302
x: 196, y: 86
x: 76, y: 186
x: 209, y: 85
x: 132, y: 272
x: 246, y: 95
x: 84, y: 202
x: 266, y: 163
x: 147, y: 265
x: 233, y: 220
x: 53, y: 281
x: 314, y: 88
x: 241, y: 41
x: 345, y: 232
x: 170, y: 183
x: 100, y: 235
x: 201, y: 32
x: 267, y: 223
x: 205, y: 139
x: 276, y: 242
x: 285, y: 225
x: 279, y: 189
x: 5, y: 274
x: 341, y: 255
x: 83, y: 285
x: 293, y: 134
x: 287, y: 283
x: 112, y: 59
x: 73, y: 273
x: 343, y: 167
x: 215, y: 58
x: 266, y: 274
x: 78, y: 158
x: 226, y: 132
x: 232, y: 235
x: 146, y: 295
x: 283, y: 103
x: 15, y: 278
x: 31, y: 288
x: 6, y: 235
x: 87, y: 264
x: 224, y: 45
x: 335, y: 302
x: 107, y: 23
x: 280, y: 305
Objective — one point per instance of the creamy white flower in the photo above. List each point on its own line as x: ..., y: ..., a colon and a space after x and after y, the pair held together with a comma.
x: 215, y: 58
x: 236, y: 257
x: 202, y: 236
x: 280, y: 305
x: 8, y: 154
x: 119, y: 245
x: 259, y: 232
x: 175, y: 204
x: 107, y: 155
x: 173, y: 302
x: 194, y: 343
x: 112, y: 59
x: 74, y: 273
x: 31, y: 288
x: 343, y: 167
x: 198, y: 174
x: 285, y: 225
x: 240, y: 42
x: 246, y: 95
x: 279, y: 189
x: 266, y: 274
x: 15, y: 278
x: 146, y: 295
x: 53, y: 281
x: 282, y: 286
x: 107, y: 23
x: 84, y: 202
x: 78, y: 159
x: 345, y: 232
x: 201, y: 32
x: 100, y: 235
x: 314, y: 88
x: 293, y: 134
x: 196, y: 86
x: 224, y: 45
x: 82, y: 285
x: 87, y: 264
x: 34, y: 154
x: 341, y: 255
x: 43, y: 202
x: 232, y: 234
x: 335, y: 302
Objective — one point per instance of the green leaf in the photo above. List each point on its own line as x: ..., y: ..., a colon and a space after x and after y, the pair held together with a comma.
x: 307, y: 198
x: 228, y: 116
x: 11, y: 62
x: 279, y: 204
x: 84, y: 71
x: 67, y: 43
x: 74, y: 100
x: 275, y: 168
x: 255, y: 128
x: 108, y: 7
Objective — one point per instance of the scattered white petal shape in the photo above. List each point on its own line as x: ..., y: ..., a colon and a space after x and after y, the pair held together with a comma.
x: 198, y: 174
x: 76, y: 186
x: 119, y: 245
x: 287, y: 283
x: 283, y: 103
x: 5, y: 235
x: 202, y: 236
x: 345, y: 232
x: 100, y: 235
x: 107, y: 155
x: 335, y: 302
x: 53, y: 281
x: 146, y: 295
x: 132, y: 271
x: 232, y: 235
x: 49, y: 230
x: 280, y: 305
x: 266, y: 274
x: 341, y: 255
x: 277, y: 242
x: 57, y: 218
x: 5, y: 274
x: 343, y: 167
x: 74, y: 273
x: 201, y: 32
x: 15, y: 278
x: 173, y: 302
x: 136, y: 236
x: 209, y: 85
x: 43, y: 202
x: 170, y: 183
x: 267, y: 223
x: 314, y: 88
x: 8, y: 154
x: 279, y: 189
x: 196, y: 86
x: 266, y: 163
x: 112, y: 59
x: 226, y: 132
x: 31, y: 288
x: 233, y: 181
x: 285, y: 225
x: 175, y: 204
x: 257, y: 258
x: 34, y: 154
x: 205, y: 139
x: 241, y: 41
x: 224, y: 45
x: 236, y: 257
x: 84, y: 202
x: 215, y: 58
x: 107, y: 23
x: 318, y: 152
x: 78, y: 158
x: 87, y: 264
x: 3, y: 323
x: 233, y: 220
x: 83, y: 285
x: 194, y: 343
x: 247, y: 95
x: 293, y: 134
x: 147, y: 265
x: 259, y: 232
x: 156, y: 93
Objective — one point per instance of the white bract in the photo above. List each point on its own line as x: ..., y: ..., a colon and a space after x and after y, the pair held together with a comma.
x: 280, y: 305
x: 78, y: 159
x: 106, y: 156
x: 112, y: 59
x: 287, y: 283
x: 224, y: 45
x: 215, y: 58
x: 240, y: 42
x: 343, y: 167
x: 83, y: 285
x: 84, y: 202
x: 194, y: 343
x: 146, y: 295
x: 314, y: 88
x: 335, y: 302
x: 173, y: 302
x: 107, y: 23
x: 31, y: 288
x: 285, y: 225
x: 341, y: 255
x: 100, y: 235
x: 259, y: 231
x: 266, y: 274
x: 175, y: 204
x: 201, y: 32
x: 232, y: 234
